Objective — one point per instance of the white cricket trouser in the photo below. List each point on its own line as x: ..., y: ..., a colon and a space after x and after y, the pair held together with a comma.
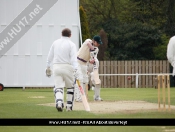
x: 83, y: 78
x: 63, y: 75
x: 63, y: 78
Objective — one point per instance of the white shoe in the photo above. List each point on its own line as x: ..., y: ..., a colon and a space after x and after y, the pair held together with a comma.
x: 59, y: 106
x: 92, y: 88
x: 68, y: 108
x: 78, y: 100
x: 98, y: 99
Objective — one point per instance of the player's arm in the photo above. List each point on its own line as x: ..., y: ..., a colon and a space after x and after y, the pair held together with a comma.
x: 49, y: 60
x: 93, y: 55
x: 89, y: 44
x: 74, y: 63
x: 50, y: 56
x: 171, y: 51
x: 73, y: 55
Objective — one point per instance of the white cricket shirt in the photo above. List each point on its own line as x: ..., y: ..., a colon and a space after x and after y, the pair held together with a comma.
x: 171, y: 51
x: 63, y: 51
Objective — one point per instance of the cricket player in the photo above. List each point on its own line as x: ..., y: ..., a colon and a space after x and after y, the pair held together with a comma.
x: 171, y: 53
x: 63, y: 53
x: 84, y: 56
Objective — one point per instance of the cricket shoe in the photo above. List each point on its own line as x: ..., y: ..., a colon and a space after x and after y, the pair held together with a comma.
x: 59, y: 106
x: 78, y: 99
x: 98, y: 99
x: 68, y: 108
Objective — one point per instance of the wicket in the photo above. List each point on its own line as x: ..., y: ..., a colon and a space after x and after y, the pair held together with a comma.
x: 163, y: 83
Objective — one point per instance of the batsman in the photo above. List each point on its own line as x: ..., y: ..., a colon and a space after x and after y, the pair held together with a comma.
x: 83, y: 57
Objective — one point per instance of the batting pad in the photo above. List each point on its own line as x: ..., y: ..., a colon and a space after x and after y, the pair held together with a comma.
x: 96, y: 76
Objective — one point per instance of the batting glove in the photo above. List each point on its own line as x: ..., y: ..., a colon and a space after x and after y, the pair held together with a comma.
x: 96, y: 64
x: 48, y: 72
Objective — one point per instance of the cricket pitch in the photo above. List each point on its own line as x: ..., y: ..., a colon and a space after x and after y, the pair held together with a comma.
x: 116, y: 106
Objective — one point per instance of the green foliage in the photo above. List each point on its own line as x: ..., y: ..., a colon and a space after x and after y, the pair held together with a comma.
x: 84, y: 24
x: 102, y: 48
x: 148, y: 18
x: 100, y: 11
x: 170, y: 15
x: 131, y: 41
x: 161, y: 50
x: 150, y: 12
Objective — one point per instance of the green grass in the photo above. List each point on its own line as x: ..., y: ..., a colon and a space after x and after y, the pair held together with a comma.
x: 16, y: 103
x: 86, y: 129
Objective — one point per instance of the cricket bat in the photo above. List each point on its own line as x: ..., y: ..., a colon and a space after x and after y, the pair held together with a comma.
x: 83, y: 97
x: 87, y: 91
x: 96, y: 76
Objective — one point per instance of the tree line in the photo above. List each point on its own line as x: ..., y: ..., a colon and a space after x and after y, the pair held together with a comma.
x: 130, y: 29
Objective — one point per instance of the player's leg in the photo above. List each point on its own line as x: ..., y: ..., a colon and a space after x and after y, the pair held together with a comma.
x: 59, y: 87
x: 97, y: 89
x: 97, y: 92
x: 70, y: 99
x: 89, y: 69
x: 59, y: 98
x: 77, y: 91
x: 85, y: 77
x: 84, y: 81
x: 69, y: 83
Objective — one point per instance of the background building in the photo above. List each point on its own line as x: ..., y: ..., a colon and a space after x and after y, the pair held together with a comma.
x: 25, y: 63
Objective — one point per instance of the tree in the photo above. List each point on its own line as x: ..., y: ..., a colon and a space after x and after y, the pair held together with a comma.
x: 160, y: 13
x: 100, y: 11
x: 131, y: 41
x: 170, y: 23
x: 102, y: 55
x: 161, y: 50
x: 149, y: 11
x: 84, y: 24
x: 125, y: 20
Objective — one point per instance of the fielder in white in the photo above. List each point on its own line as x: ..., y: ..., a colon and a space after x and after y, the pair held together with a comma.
x: 83, y: 57
x: 63, y: 53
x: 171, y: 53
